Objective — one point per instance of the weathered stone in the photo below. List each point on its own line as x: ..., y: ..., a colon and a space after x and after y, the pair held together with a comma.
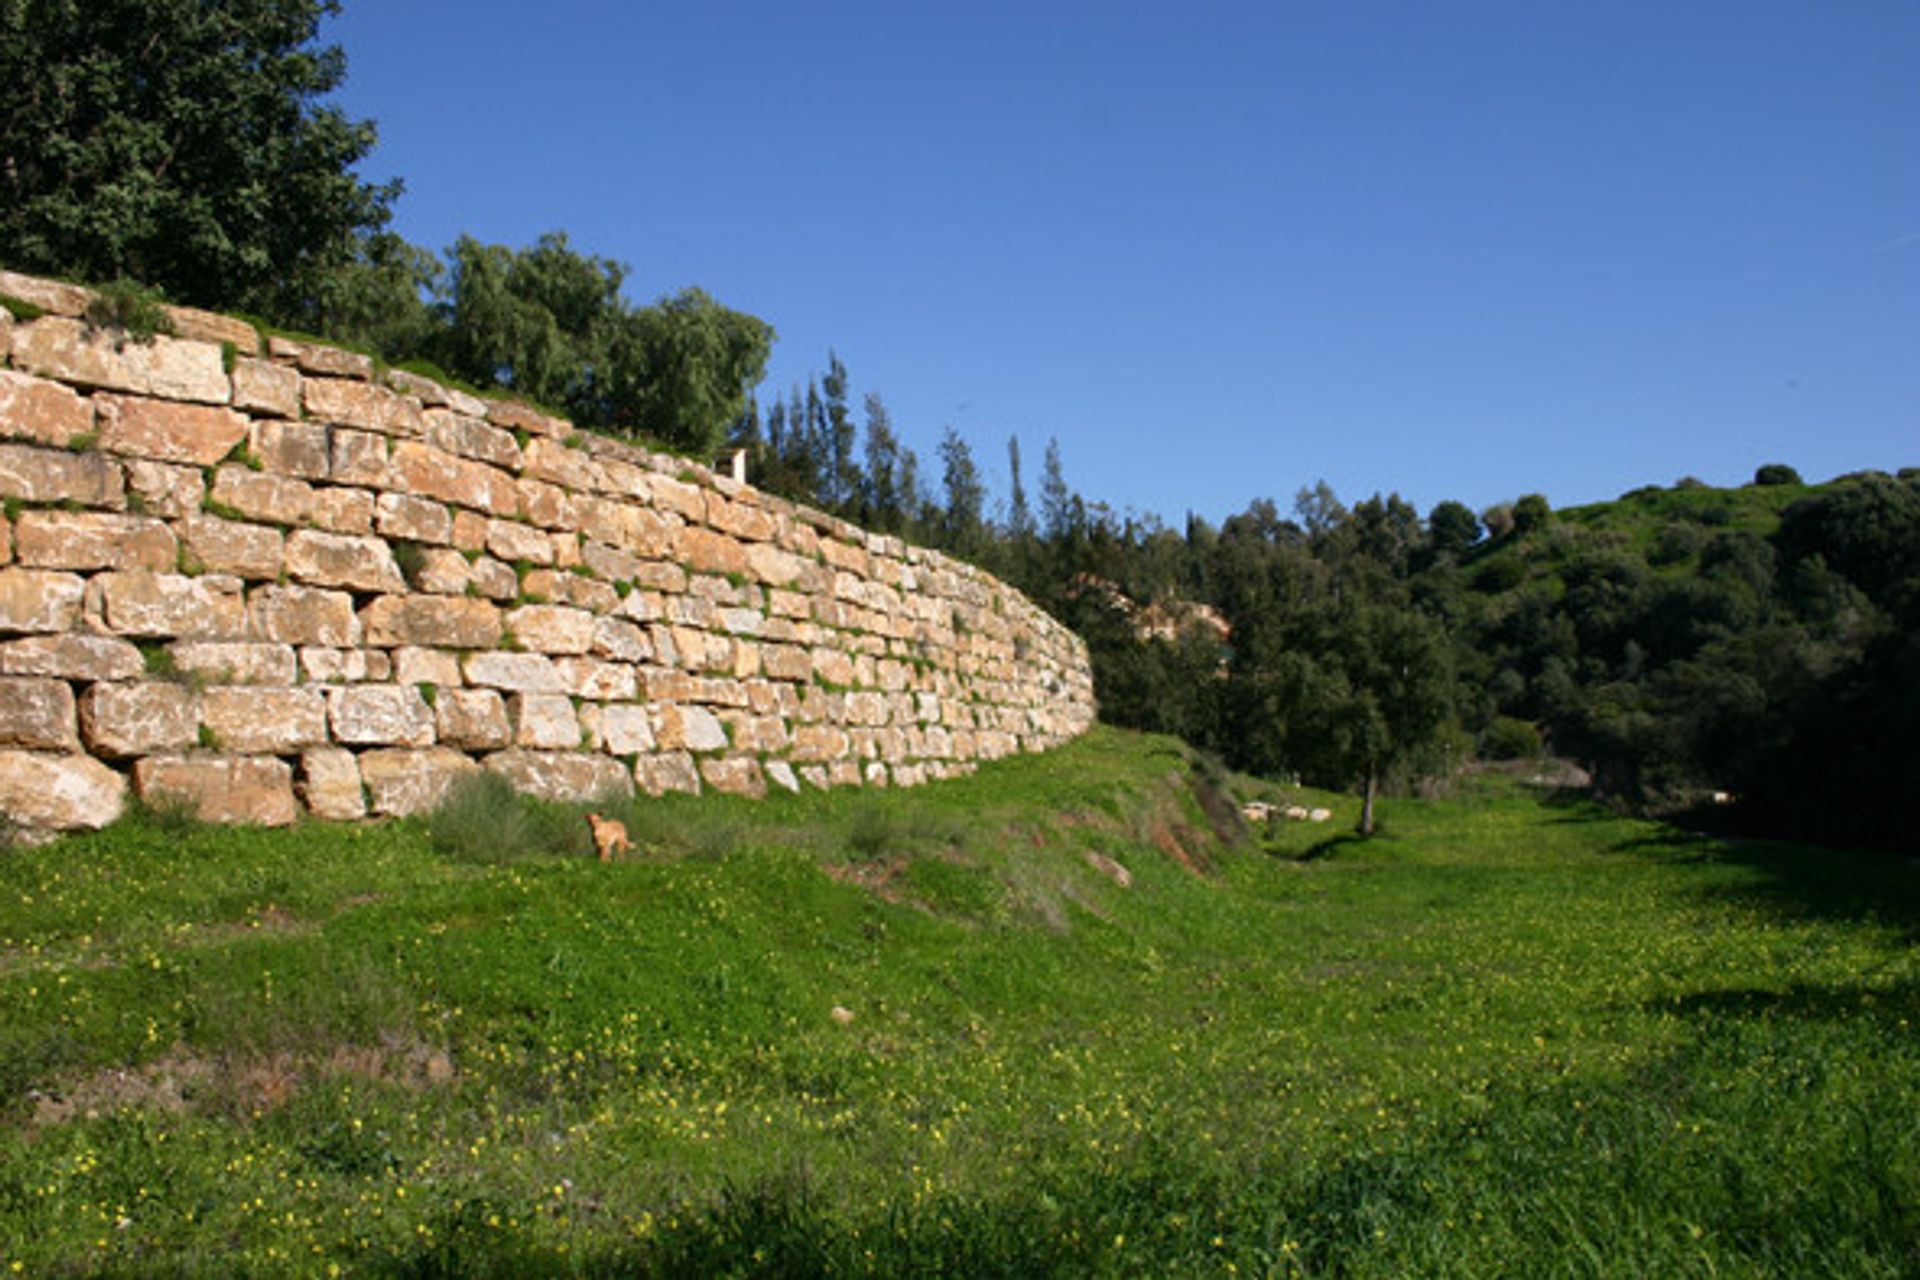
x: 304, y: 615
x: 620, y: 641
x: 47, y: 475
x: 75, y: 656
x: 37, y: 713
x: 757, y: 734
x: 359, y: 457
x: 138, y: 603
x: 401, y: 781
x: 335, y: 560
x: 264, y: 719
x: 229, y: 546
x: 442, y: 571
x: 260, y: 495
x: 679, y: 728
x: 264, y: 387
x: 162, y: 489
x: 361, y: 404
x: 400, y: 515
x: 93, y: 540
x: 195, y: 434
x: 56, y: 296
x: 439, y: 621
x: 33, y: 600
x: 59, y: 792
x: 679, y: 497
x: 292, y: 448
x: 122, y: 720
x: 548, y: 459
x: 250, y: 790
x: 310, y: 357
x: 547, y: 505
x: 416, y: 666
x: 597, y: 680
x: 195, y: 325
x: 673, y: 771
x: 821, y: 742
x: 547, y: 628
x: 468, y: 437
x: 77, y: 353
x: 345, y: 511
x: 494, y: 580
x: 705, y: 551
x: 513, y: 542
x: 740, y: 519
x: 330, y: 784
x: 515, y: 416
x: 735, y: 775
x: 520, y: 672
x: 45, y: 412
x: 543, y: 720
x: 433, y: 473
x: 626, y: 729
x: 322, y: 665
x: 472, y: 719
x: 562, y: 776
x: 233, y: 661
x: 780, y: 773
x: 388, y: 715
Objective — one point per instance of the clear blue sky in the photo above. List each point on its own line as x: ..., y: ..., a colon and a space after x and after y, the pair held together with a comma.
x: 1224, y: 250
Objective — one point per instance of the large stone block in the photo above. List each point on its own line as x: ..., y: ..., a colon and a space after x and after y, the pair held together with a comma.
x: 402, y: 780
x: 625, y: 729
x: 387, y: 715
x: 75, y: 352
x: 196, y: 325
x: 678, y: 728
x: 233, y: 661
x: 544, y: 721
x: 599, y: 681
x: 339, y: 510
x: 519, y: 672
x: 562, y: 776
x: 472, y: 719
x: 261, y: 495
x: 359, y: 457
x: 264, y: 719
x: 312, y: 357
x: 249, y: 790
x: 400, y: 515
x: 35, y: 600
x: 38, y: 714
x: 264, y: 387
x: 59, y: 792
x: 417, y: 666
x: 469, y: 437
x: 148, y: 718
x: 45, y: 412
x: 162, y: 489
x: 304, y: 615
x: 514, y: 542
x: 439, y: 621
x: 336, y: 560
x: 547, y: 506
x: 231, y: 546
x: 138, y: 603
x: 74, y: 656
x: 56, y: 296
x: 165, y: 431
x: 292, y: 448
x: 361, y: 404
x: 433, y: 473
x: 330, y: 784
x: 735, y: 775
x: 48, y: 475
x: 547, y: 628
x: 93, y: 540
x: 671, y: 771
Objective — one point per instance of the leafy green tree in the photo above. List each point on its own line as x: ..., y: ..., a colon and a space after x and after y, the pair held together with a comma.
x: 183, y: 144
x: 1774, y: 473
x: 1453, y: 527
x: 1530, y: 513
x: 962, y: 524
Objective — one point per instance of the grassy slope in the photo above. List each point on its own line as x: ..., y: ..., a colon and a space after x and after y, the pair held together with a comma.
x: 1514, y: 1036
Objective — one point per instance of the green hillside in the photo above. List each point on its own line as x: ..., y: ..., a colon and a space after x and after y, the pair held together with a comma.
x: 1512, y: 1035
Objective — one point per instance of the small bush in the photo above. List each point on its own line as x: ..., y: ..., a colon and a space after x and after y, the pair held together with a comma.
x: 1774, y: 473
x: 126, y: 306
x: 482, y: 819
x: 1510, y: 739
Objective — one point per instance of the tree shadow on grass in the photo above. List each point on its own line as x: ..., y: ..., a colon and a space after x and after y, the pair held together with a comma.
x: 1802, y: 1001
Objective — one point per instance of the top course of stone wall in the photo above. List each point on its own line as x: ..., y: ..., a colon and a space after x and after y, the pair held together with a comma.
x: 262, y: 577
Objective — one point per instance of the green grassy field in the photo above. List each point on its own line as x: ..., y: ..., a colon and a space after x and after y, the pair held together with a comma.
x: 1515, y: 1035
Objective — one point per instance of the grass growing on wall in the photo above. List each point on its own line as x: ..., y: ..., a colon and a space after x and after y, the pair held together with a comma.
x: 1516, y: 1035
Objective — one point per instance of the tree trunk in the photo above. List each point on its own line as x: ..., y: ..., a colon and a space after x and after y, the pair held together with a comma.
x: 1366, y: 805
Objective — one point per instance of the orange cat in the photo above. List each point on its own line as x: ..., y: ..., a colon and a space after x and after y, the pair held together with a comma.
x: 609, y: 837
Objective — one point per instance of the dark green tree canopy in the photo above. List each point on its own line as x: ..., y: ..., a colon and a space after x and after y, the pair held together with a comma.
x: 181, y: 143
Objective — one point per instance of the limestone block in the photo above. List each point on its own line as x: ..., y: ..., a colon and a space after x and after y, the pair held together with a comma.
x: 341, y: 510
x: 75, y: 656
x: 310, y: 357
x: 547, y: 506
x: 549, y: 459
x: 815, y: 775
x: 735, y: 775
x: 261, y: 495
x: 678, y: 728
x: 399, y: 515
x: 37, y: 713
x: 625, y: 728
x: 832, y: 666
x: 439, y: 621
x: 138, y: 603
x: 416, y: 666
x: 434, y: 473
x: 673, y: 771
x: 336, y: 560
x: 121, y: 720
x: 93, y: 540
x: 468, y: 437
x: 570, y: 588
x: 322, y: 665
x: 909, y: 775
x: 818, y: 742
x: 544, y: 720
x: 75, y: 352
x: 495, y: 581
x: 35, y: 600
x: 620, y: 641
x: 442, y: 571
x: 472, y: 719
x: 60, y: 298
x: 599, y: 681
x: 704, y: 551
x: 386, y: 715
x: 45, y: 412
x: 252, y: 790
x: 164, y: 489
x: 875, y: 774
x: 547, y: 628
x: 47, y: 475
x: 679, y: 497
x: 230, y: 546
x: 359, y: 457
x: 470, y: 531
x: 264, y: 387
x: 264, y: 719
x: 196, y: 325
x: 59, y: 792
x: 623, y: 525
x: 165, y: 431
x: 401, y: 780
x: 610, y: 563
x: 780, y: 773
x: 512, y: 415
x: 519, y: 672
x: 513, y: 542
x: 292, y: 448
x: 754, y: 733
x: 562, y: 776
x: 233, y: 661
x: 330, y: 784
x: 361, y: 404
x: 742, y: 520
x: 303, y: 615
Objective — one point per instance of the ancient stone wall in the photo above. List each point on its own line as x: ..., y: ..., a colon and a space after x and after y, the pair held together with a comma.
x: 263, y: 577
